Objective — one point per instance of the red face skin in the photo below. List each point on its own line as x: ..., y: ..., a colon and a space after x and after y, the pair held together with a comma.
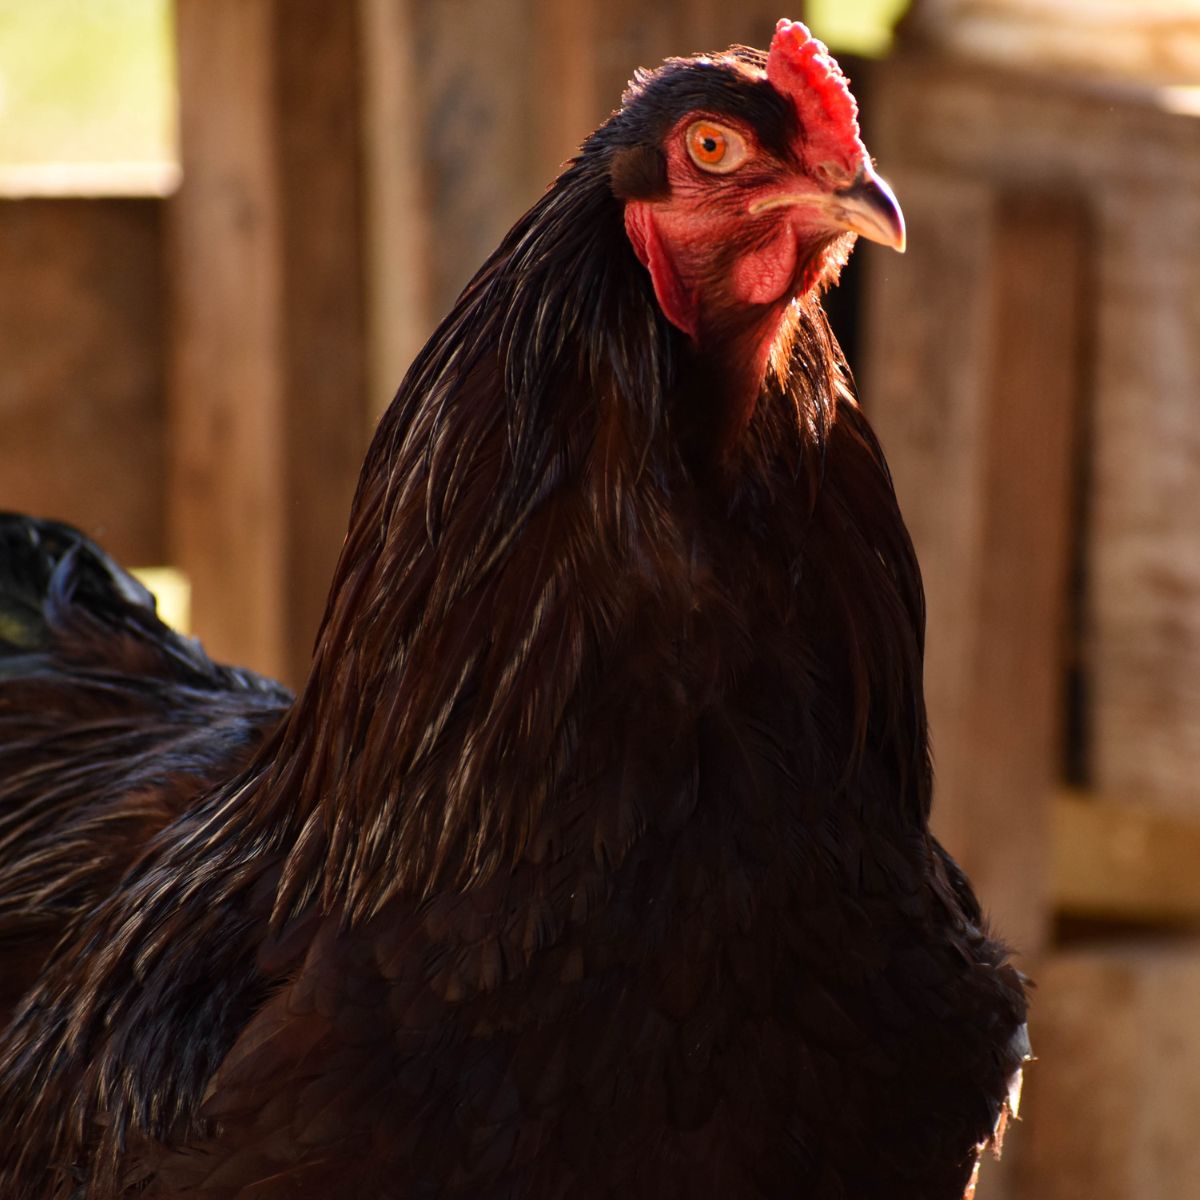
x: 725, y: 274
x: 711, y: 257
x: 728, y: 251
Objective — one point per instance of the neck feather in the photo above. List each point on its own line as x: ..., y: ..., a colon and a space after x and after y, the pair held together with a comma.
x: 524, y: 498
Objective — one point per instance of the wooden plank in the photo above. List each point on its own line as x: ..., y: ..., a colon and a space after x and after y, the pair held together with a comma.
x: 1110, y: 1105
x: 927, y: 346
x: 227, y: 509
x: 1144, y: 528
x: 82, y: 409
x: 1029, y: 128
x: 1122, y: 861
x: 1108, y: 1112
x: 1009, y: 754
x: 975, y: 401
x: 453, y: 120
x: 269, y: 405
x: 1134, y: 153
x: 317, y: 119
x: 1159, y: 39
x: 399, y: 224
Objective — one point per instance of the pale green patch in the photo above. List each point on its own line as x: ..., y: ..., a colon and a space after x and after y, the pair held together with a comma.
x: 87, y: 81
x: 855, y: 26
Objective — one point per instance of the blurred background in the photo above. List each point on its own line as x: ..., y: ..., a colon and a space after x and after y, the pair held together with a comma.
x: 226, y: 226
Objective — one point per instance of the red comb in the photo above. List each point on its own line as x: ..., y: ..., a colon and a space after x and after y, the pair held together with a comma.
x: 801, y: 67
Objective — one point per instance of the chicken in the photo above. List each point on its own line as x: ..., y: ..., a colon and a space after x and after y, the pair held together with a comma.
x: 592, y: 859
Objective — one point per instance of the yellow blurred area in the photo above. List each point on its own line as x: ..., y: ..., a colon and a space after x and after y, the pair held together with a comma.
x: 172, y: 591
x: 859, y: 27
x: 87, y: 81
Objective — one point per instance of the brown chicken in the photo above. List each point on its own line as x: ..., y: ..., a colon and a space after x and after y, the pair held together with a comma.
x: 593, y: 858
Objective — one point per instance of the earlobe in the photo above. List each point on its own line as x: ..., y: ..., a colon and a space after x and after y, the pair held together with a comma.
x: 639, y: 173
x: 675, y: 298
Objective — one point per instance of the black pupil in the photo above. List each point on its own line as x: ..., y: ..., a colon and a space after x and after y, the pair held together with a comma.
x: 710, y: 144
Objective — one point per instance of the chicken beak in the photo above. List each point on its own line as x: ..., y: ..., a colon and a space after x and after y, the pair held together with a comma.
x: 869, y: 208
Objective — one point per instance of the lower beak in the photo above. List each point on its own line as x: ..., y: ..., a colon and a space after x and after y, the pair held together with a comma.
x: 869, y: 208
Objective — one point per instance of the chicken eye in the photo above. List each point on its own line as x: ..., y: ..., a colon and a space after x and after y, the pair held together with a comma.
x: 715, y: 148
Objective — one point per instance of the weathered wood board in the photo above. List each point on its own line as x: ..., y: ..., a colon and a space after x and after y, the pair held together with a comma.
x: 82, y: 388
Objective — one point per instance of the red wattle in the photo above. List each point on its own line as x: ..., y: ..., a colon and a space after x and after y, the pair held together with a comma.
x: 677, y: 301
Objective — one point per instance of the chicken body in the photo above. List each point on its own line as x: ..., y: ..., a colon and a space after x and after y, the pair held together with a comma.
x: 593, y: 858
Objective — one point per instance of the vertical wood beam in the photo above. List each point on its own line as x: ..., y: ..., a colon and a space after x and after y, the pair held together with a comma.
x: 227, y: 379
x: 1111, y: 1105
x: 399, y: 224
x: 977, y: 403
x: 924, y: 388
x: 1144, y: 528
x: 317, y: 115
x: 1011, y: 750
x: 267, y: 356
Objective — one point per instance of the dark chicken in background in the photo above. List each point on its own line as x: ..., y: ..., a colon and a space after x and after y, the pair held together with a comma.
x: 593, y: 859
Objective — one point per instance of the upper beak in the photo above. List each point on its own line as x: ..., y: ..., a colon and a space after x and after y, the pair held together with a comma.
x: 869, y: 208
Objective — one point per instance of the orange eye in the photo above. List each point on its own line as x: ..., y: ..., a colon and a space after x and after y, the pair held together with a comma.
x: 715, y: 148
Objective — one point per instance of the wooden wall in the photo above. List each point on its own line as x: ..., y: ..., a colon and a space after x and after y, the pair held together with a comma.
x: 1033, y: 369
x: 82, y: 410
